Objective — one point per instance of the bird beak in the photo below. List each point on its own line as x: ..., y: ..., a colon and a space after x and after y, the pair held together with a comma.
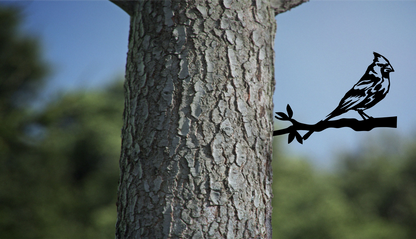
x: 389, y: 69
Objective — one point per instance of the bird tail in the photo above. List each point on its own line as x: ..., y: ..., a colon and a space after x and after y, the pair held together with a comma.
x: 333, y: 114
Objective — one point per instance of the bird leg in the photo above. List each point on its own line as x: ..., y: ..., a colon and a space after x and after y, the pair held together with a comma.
x: 364, y: 115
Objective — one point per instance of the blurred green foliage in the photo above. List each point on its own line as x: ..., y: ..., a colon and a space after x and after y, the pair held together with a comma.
x: 63, y: 183
x: 22, y: 68
x: 59, y: 167
x: 370, y: 195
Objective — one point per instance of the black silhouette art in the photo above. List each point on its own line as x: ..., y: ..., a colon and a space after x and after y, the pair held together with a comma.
x: 369, y: 90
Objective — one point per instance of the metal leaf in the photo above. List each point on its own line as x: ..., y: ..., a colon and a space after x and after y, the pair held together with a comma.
x: 289, y: 111
x: 283, y: 115
x: 299, y: 138
x: 291, y: 137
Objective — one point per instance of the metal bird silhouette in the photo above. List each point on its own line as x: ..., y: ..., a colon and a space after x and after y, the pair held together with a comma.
x: 369, y: 90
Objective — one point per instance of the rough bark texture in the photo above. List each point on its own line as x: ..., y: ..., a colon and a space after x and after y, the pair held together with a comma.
x: 196, y: 150
x: 196, y: 140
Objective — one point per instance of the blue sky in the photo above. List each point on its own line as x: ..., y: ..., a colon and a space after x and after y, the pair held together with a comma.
x: 85, y: 41
x: 322, y: 49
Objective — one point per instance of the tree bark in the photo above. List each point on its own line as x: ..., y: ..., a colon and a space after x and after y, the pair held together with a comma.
x: 196, y: 142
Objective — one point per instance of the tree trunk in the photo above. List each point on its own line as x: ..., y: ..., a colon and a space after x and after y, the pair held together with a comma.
x: 196, y: 141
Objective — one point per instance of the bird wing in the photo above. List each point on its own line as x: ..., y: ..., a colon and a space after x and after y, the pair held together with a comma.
x: 354, y: 97
x: 357, y: 95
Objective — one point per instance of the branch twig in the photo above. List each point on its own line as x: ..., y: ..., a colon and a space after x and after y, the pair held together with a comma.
x: 357, y: 125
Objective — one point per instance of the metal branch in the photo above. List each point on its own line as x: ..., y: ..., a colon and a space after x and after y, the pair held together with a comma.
x: 357, y: 125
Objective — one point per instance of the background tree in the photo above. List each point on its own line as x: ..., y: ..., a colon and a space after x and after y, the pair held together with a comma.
x: 380, y: 184
x: 369, y: 195
x: 21, y: 73
x: 63, y: 183
x: 58, y: 166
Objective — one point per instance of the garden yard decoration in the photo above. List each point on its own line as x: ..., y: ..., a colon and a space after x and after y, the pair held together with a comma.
x: 367, y: 92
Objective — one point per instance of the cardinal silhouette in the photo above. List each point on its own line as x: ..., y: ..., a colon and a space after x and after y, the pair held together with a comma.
x: 369, y: 90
